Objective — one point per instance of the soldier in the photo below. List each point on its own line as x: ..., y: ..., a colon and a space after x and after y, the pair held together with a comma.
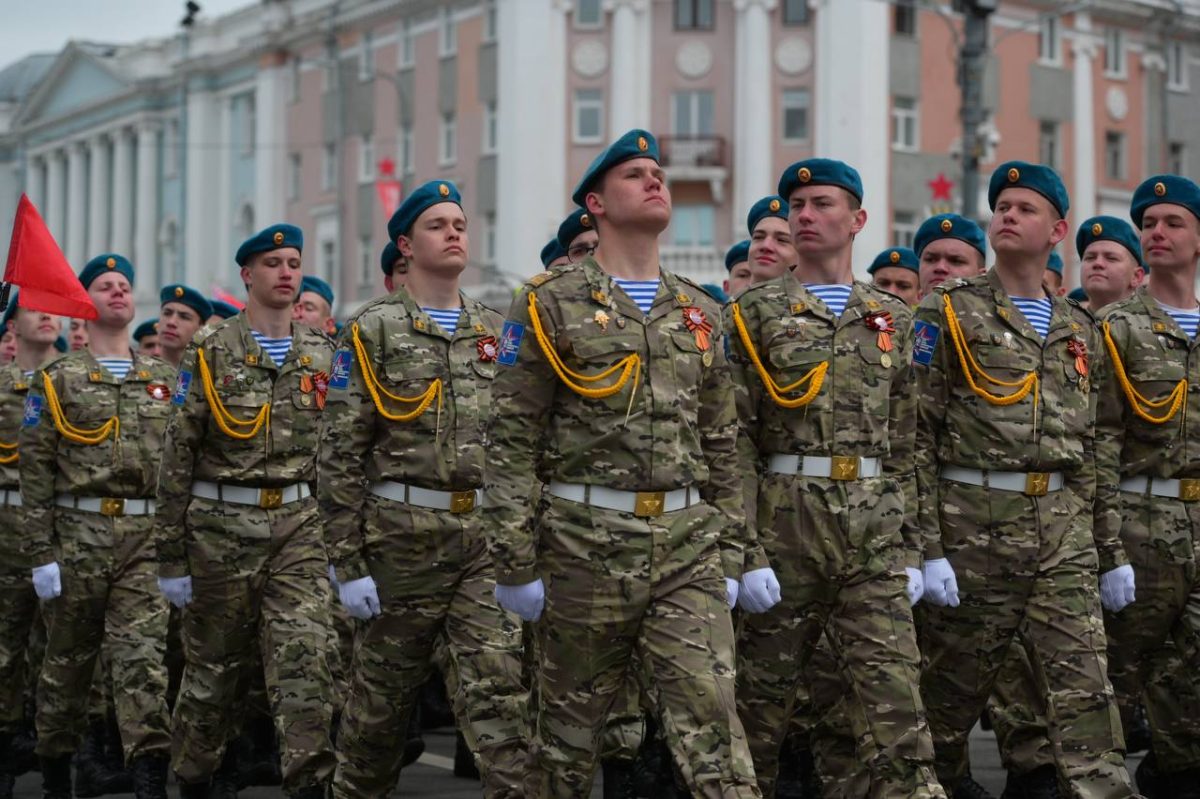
x: 8, y: 346
x: 897, y: 271
x: 90, y: 448
x: 949, y: 246
x: 553, y: 255
x: 616, y: 396
x: 394, y: 266
x: 409, y: 401
x: 1007, y: 476
x: 772, y: 251
x: 221, y: 310
x: 737, y: 264
x: 1109, y: 271
x: 314, y: 306
x: 577, y: 236
x: 1053, y: 277
x: 238, y: 530
x: 184, y: 311
x: 838, y: 345
x: 145, y: 336
x: 77, y: 335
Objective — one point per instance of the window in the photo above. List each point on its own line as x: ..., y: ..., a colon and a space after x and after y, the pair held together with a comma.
x: 904, y: 124
x: 489, y: 238
x: 589, y: 116
x: 1048, y: 149
x: 489, y: 20
x: 904, y: 228
x: 1177, y: 77
x: 366, y: 57
x: 407, y: 45
x: 366, y: 261
x: 693, y: 14
x: 294, y: 80
x: 1049, y: 41
x: 588, y: 14
x: 366, y: 158
x: 447, y: 140
x: 329, y: 167
x: 795, y: 12
x: 328, y: 257
x: 447, y: 33
x: 796, y: 104
x: 1114, y: 155
x: 1114, y: 52
x: 904, y: 18
x: 692, y: 113
x: 249, y: 123
x: 406, y: 150
x: 294, y: 176
x: 489, y: 128
x: 692, y: 225
x: 1176, y: 158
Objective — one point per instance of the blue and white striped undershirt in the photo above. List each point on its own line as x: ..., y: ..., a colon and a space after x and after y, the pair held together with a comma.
x: 117, y: 367
x: 834, y: 295
x: 1186, y: 318
x: 447, y: 318
x: 640, y: 291
x: 1036, y: 310
x: 277, y: 348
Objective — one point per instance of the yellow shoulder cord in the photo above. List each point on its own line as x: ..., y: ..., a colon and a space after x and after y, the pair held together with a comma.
x: 375, y: 388
x: 7, y: 459
x: 815, y: 377
x: 71, y: 432
x: 225, y: 420
x: 971, y: 367
x: 1175, y: 399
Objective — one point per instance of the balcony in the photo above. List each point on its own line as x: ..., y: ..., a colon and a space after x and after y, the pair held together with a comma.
x: 701, y: 264
x: 696, y: 159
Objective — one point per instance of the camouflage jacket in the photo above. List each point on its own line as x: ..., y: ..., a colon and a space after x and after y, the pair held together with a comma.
x: 441, y: 448
x: 282, y: 452
x: 123, y: 464
x: 672, y: 424
x: 1052, y: 428
x: 13, y: 387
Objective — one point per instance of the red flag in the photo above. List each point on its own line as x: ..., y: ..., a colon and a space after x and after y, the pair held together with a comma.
x: 224, y: 296
x: 38, y: 266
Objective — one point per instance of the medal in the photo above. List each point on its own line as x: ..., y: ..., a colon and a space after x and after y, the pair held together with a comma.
x: 601, y: 318
x: 488, y: 348
x: 698, y: 323
x: 881, y: 323
x: 1078, y: 350
x: 158, y: 391
x: 321, y: 386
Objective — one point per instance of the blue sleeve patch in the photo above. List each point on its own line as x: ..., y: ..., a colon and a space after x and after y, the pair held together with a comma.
x: 33, y: 411
x: 339, y: 372
x: 925, y: 339
x: 510, y: 342
x: 182, y: 384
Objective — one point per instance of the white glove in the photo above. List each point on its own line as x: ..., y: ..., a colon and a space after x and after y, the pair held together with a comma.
x: 360, y: 597
x: 526, y: 600
x: 941, y: 586
x: 1117, y: 588
x: 731, y: 591
x: 760, y: 590
x: 916, y: 585
x: 177, y: 590
x: 47, y: 580
x: 333, y: 581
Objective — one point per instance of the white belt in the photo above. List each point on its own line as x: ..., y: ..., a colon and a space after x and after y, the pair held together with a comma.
x: 268, y: 498
x: 1035, y: 484
x: 646, y: 504
x: 1187, y: 489
x: 10, y: 497
x: 109, y: 506
x: 453, y: 501
x: 838, y: 467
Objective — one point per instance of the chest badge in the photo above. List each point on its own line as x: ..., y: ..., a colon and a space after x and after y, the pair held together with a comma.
x: 601, y: 319
x: 159, y: 391
x: 698, y: 324
x: 316, y: 385
x: 881, y: 322
x: 1077, y: 349
x: 488, y: 348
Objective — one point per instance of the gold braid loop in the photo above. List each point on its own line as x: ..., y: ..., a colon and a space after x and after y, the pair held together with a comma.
x: 375, y: 388
x: 630, y: 365
x: 1136, y: 400
x: 5, y: 460
x: 815, y: 376
x: 225, y: 420
x: 971, y: 367
x: 69, y: 431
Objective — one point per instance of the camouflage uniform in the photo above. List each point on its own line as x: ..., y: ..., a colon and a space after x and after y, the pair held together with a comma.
x: 839, y: 543
x: 256, y: 554
x: 88, y: 506
x: 622, y: 583
x: 430, y: 564
x: 1018, y: 714
x: 1024, y: 555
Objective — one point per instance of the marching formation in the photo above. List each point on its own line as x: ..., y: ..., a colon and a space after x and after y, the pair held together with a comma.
x: 824, y: 522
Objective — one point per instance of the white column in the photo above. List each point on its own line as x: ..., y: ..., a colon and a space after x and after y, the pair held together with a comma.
x: 270, y: 131
x: 98, y: 239
x: 56, y: 208
x: 530, y: 170
x: 121, y: 238
x: 752, y: 168
x: 200, y: 250
x: 35, y: 181
x: 145, y: 226
x: 76, y: 204
x: 628, y: 95
x: 226, y: 212
x: 852, y: 105
x: 1083, y: 190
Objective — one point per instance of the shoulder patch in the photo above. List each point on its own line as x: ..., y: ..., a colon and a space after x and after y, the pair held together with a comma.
x: 510, y: 342
x: 183, y: 384
x: 33, y: 411
x: 339, y: 369
x: 925, y: 339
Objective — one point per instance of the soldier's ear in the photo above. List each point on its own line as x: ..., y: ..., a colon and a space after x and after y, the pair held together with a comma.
x: 246, y: 276
x: 404, y: 245
x: 1059, y: 231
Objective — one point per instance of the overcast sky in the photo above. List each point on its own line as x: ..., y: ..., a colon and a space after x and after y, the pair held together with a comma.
x: 39, y: 26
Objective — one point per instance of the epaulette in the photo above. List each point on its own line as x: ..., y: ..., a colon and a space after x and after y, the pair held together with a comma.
x: 56, y: 360
x: 542, y: 277
x: 952, y: 284
x: 386, y: 299
x: 1086, y: 311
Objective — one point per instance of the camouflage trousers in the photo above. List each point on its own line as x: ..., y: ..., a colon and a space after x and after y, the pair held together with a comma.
x: 623, y: 590
x: 110, y: 600
x: 1027, y: 566
x: 259, y: 584
x: 836, y: 548
x: 834, y: 716
x: 435, y: 578
x: 18, y: 614
x: 1018, y: 713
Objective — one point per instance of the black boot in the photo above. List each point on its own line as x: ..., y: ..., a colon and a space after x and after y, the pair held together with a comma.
x: 117, y: 778
x: 464, y: 761
x: 1137, y: 737
x: 318, y: 791
x: 225, y: 781
x: 619, y: 782
x: 195, y: 790
x: 56, y: 777
x: 414, y: 744
x: 968, y: 788
x: 7, y: 771
x: 1149, y: 782
x: 150, y: 776
x: 1181, y: 784
x: 91, y: 774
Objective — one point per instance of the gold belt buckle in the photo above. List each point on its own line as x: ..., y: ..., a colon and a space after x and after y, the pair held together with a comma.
x: 112, y: 506
x: 270, y: 498
x: 1189, y: 489
x: 648, y: 504
x: 462, y: 501
x: 843, y: 467
x: 1037, y: 484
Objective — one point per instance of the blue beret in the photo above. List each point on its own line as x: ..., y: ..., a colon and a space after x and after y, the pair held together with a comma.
x: 60, y: 344
x: 716, y: 292
x: 317, y: 286
x: 388, y: 258
x: 820, y: 172
x: 902, y: 257
x: 1077, y: 294
x: 1024, y: 175
x: 637, y: 143
x: 949, y: 226
x: 424, y: 197
x: 222, y: 309
x: 186, y: 296
x: 1054, y: 263
x: 1164, y: 189
x: 580, y: 221
x: 272, y: 238
x: 737, y: 254
x: 102, y: 264
x: 767, y: 206
x: 147, y: 328
x: 552, y: 252
x: 9, y: 313
x: 1108, y: 228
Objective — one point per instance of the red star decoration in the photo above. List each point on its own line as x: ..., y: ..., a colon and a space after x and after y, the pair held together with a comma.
x: 387, y: 167
x: 941, y: 186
